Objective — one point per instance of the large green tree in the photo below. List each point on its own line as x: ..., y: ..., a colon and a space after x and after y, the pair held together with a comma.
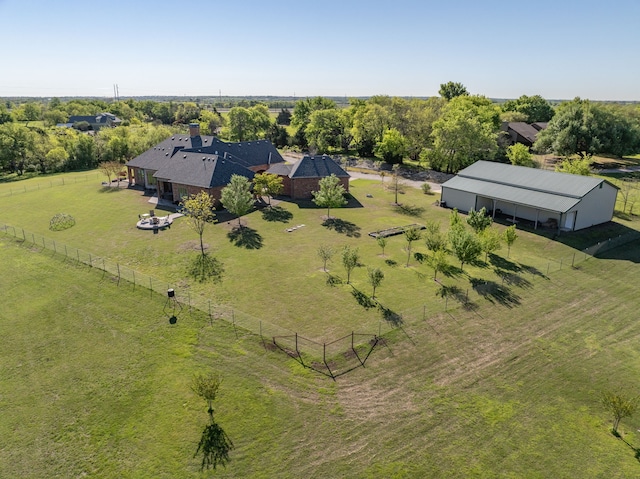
x: 533, y: 108
x: 466, y: 132
x: 248, y: 123
x: 324, y: 130
x: 17, y: 147
x: 584, y: 128
x: 392, y: 147
x: 450, y: 90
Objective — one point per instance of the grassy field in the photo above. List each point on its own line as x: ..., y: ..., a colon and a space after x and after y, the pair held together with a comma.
x: 95, y: 381
x: 288, y: 287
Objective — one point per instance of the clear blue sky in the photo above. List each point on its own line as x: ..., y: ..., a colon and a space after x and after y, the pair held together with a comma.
x: 502, y: 49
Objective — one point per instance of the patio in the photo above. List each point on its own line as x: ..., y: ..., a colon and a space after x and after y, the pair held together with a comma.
x: 149, y: 221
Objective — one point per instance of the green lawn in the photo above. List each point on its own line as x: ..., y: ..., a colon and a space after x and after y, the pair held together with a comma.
x: 278, y: 272
x: 95, y: 381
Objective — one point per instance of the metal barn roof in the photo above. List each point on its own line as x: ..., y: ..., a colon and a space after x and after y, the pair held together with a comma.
x: 542, y: 189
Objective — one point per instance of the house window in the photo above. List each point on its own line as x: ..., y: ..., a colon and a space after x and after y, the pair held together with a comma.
x: 182, y: 192
x: 150, y: 179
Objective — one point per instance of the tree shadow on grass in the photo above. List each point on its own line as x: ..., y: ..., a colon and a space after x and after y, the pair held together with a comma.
x: 391, y: 262
x: 215, y: 446
x: 276, y: 213
x: 245, y: 237
x: 513, y: 279
x: 495, y: 293
x: 363, y: 300
x: 503, y: 263
x: 333, y: 280
x: 533, y: 271
x: 342, y: 226
x: 206, y: 268
x: 410, y: 210
x: 457, y: 294
x: 390, y: 316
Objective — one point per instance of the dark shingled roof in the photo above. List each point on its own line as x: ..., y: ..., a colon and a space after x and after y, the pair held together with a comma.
x: 281, y: 169
x: 200, y: 170
x: 540, y: 125
x: 524, y: 130
x: 316, y: 167
x: 245, y: 153
x: 179, y: 159
x: 154, y: 158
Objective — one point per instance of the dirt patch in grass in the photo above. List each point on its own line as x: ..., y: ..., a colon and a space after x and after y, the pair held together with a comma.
x: 192, y: 245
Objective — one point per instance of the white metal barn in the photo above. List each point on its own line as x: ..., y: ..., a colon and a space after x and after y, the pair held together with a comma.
x: 570, y: 202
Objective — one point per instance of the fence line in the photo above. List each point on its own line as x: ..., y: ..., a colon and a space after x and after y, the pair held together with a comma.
x: 26, y: 188
x: 310, y: 353
x: 330, y: 357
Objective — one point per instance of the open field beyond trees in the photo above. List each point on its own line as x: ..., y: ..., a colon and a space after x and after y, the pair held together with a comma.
x: 95, y: 381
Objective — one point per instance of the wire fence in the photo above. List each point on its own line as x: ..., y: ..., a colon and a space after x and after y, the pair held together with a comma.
x: 26, y: 187
x: 334, y: 357
x: 331, y: 358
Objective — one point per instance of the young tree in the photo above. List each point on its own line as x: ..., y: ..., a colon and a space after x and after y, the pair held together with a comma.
x: 350, y: 259
x: 619, y: 406
x: 396, y: 182
x: 438, y: 261
x: 199, y: 211
x: 489, y: 242
x: 454, y: 218
x: 236, y: 197
x: 411, y: 235
x: 510, y: 236
x: 267, y: 184
x: 110, y: 168
x: 375, y: 277
x: 479, y: 220
x: 215, y: 445
x: 330, y: 195
x: 464, y: 244
x: 520, y: 155
x: 435, y: 240
x: 325, y: 253
x: 382, y: 242
x: 206, y: 386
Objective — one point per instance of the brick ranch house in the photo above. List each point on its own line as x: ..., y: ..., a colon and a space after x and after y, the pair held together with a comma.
x: 187, y: 164
x: 184, y: 165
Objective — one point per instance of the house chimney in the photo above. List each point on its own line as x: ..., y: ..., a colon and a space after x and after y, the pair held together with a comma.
x: 194, y: 129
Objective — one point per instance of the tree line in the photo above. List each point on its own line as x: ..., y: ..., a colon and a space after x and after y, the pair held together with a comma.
x: 444, y: 133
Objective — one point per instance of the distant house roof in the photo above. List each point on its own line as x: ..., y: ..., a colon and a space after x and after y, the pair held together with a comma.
x: 99, y: 119
x: 540, y: 125
x: 548, y: 190
x: 524, y: 130
x: 316, y: 167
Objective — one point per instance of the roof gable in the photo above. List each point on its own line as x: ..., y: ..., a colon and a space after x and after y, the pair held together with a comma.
x: 200, y: 170
x: 317, y: 167
x: 524, y: 130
